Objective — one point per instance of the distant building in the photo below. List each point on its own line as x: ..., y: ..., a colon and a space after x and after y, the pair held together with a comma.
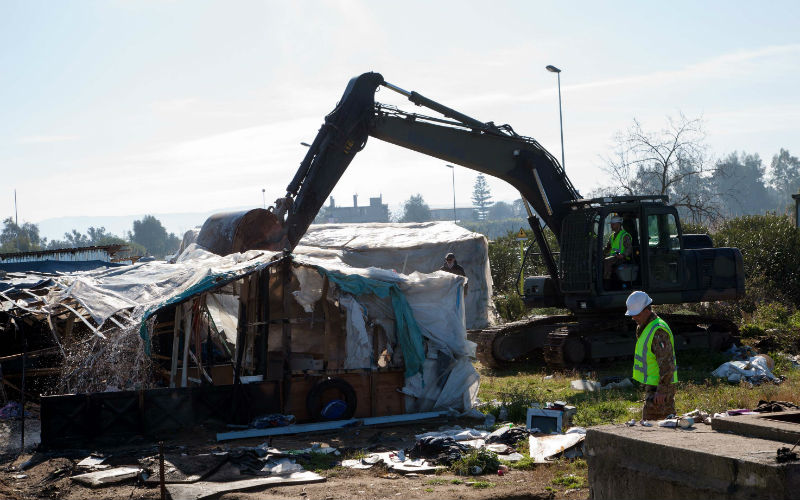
x: 104, y: 253
x: 376, y: 211
x: 462, y: 213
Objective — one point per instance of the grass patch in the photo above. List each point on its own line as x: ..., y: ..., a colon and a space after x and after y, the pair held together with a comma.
x: 482, y: 459
x: 318, y: 462
x: 456, y: 481
x: 428, y: 490
x: 569, y: 481
x: 435, y: 482
x: 482, y: 484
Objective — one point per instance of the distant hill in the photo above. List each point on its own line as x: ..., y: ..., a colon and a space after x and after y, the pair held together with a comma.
x: 54, y: 229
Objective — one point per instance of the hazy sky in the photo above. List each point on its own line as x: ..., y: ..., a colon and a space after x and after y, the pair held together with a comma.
x: 128, y: 107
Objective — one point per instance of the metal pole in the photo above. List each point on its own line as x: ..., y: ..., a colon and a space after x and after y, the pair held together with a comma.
x: 561, y: 122
x: 264, y: 197
x: 455, y: 219
x: 16, y: 215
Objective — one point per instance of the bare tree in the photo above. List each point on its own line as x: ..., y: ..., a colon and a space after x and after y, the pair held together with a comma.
x: 672, y: 162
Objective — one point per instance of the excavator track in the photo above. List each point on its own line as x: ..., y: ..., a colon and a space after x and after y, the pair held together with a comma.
x: 567, y: 340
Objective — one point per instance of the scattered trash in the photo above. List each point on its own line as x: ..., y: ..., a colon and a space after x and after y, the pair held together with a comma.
x: 93, y: 462
x: 548, y: 377
x: 272, y: 420
x: 546, y: 448
x: 440, y: 449
x: 741, y: 411
x: 110, y: 476
x: 507, y: 435
x: 281, y: 467
x: 699, y: 416
x: 673, y: 423
x: 208, y: 489
x: 512, y: 457
x: 20, y: 476
x: 592, y: 385
x: 645, y: 423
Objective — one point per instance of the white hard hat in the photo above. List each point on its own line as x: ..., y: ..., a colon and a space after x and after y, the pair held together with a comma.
x: 616, y: 219
x: 636, y: 303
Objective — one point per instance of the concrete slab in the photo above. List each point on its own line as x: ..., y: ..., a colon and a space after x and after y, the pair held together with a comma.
x: 781, y: 426
x: 656, y: 462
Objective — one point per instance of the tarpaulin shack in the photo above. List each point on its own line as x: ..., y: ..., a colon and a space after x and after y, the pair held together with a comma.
x: 409, y: 247
x: 303, y: 332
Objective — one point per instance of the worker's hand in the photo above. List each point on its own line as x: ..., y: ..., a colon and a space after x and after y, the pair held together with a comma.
x: 659, y: 398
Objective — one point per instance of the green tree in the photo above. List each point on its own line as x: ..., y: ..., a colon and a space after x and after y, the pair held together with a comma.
x: 415, y: 210
x: 741, y: 185
x: 24, y: 238
x: 785, y: 177
x: 500, y: 210
x: 481, y: 197
x: 149, y: 233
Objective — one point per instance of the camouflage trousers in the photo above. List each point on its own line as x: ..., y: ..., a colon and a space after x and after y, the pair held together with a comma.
x: 652, y: 411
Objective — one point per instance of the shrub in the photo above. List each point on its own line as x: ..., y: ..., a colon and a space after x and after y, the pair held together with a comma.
x: 485, y: 459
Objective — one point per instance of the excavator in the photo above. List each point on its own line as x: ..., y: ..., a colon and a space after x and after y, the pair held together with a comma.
x: 670, y: 266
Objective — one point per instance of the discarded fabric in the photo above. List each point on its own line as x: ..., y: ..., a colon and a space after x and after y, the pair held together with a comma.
x: 591, y: 385
x: 772, y: 406
x: 440, y: 449
x: 12, y: 410
x: 272, y: 420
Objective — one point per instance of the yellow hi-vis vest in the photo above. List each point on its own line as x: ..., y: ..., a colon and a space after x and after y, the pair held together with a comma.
x: 645, y: 366
x: 618, y: 243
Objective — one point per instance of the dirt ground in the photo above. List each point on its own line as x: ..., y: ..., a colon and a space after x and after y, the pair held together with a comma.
x: 49, y: 472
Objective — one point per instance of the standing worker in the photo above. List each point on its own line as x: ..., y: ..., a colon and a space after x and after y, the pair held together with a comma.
x: 654, y: 358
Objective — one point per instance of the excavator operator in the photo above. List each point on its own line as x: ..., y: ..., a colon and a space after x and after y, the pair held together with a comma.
x: 619, y: 248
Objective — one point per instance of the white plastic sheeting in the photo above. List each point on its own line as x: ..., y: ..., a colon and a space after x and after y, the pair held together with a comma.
x: 147, y: 284
x: 358, y: 345
x: 752, y: 370
x: 407, y: 248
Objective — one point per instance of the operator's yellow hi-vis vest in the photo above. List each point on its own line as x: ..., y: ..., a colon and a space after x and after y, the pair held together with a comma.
x: 645, y: 365
x: 618, y: 243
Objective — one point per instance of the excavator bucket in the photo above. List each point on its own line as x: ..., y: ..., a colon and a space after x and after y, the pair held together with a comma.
x: 232, y: 232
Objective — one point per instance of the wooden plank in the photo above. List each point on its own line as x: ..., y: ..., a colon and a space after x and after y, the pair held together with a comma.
x: 108, y: 476
x: 176, y: 331
x: 334, y: 424
x: 187, y: 331
x: 207, y: 489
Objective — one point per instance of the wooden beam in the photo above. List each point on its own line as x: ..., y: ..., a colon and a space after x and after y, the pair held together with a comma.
x: 176, y: 331
x: 187, y: 330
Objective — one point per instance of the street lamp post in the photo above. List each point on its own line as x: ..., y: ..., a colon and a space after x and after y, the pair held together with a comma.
x: 451, y: 167
x: 557, y: 71
x: 264, y: 197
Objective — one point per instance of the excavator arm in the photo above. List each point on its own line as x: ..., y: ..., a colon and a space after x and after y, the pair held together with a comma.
x: 457, y: 138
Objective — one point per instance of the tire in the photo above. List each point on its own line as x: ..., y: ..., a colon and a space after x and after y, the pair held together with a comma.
x: 315, y: 403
